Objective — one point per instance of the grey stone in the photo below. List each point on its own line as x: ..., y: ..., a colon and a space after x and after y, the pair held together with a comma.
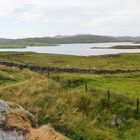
x: 11, y: 78
x: 3, y: 107
x: 11, y: 135
x: 116, y: 121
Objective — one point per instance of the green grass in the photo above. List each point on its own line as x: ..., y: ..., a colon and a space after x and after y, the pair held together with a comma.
x: 120, y: 84
x: 73, y: 111
x: 119, y: 47
x: 126, y: 47
x: 23, y: 44
x: 62, y: 101
x: 119, y: 61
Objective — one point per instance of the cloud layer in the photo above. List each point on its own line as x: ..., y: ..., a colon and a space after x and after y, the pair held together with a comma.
x: 23, y: 18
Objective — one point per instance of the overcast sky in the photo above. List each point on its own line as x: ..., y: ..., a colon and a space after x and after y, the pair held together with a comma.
x: 36, y: 18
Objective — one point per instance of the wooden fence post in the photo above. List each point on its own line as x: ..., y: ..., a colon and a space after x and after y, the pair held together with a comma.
x: 137, y: 105
x: 86, y: 87
x: 48, y: 75
x: 108, y: 95
x: 69, y: 83
x: 57, y: 78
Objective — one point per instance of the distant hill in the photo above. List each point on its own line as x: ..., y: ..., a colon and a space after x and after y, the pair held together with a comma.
x: 3, y: 40
x: 73, y: 39
x: 129, y: 38
x: 59, y: 39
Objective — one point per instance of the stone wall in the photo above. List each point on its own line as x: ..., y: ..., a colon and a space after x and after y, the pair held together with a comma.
x: 69, y: 70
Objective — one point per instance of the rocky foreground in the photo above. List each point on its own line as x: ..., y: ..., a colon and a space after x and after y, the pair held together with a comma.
x: 18, y: 124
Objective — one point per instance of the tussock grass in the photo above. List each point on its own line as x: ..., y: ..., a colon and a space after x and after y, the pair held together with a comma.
x: 18, y: 119
x: 45, y: 133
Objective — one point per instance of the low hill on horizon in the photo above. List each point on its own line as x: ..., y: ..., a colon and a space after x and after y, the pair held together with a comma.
x: 4, y: 40
x: 59, y: 39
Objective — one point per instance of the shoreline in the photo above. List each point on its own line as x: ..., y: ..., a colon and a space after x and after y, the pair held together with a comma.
x: 119, y: 47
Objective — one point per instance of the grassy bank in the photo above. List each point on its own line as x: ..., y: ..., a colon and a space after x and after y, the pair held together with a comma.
x: 119, y: 47
x: 23, y: 44
x: 119, y: 61
x: 126, y: 47
x: 62, y: 100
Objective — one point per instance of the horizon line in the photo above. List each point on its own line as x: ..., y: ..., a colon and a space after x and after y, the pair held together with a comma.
x: 68, y: 35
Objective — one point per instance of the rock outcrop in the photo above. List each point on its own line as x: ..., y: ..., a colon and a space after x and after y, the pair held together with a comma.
x: 18, y: 124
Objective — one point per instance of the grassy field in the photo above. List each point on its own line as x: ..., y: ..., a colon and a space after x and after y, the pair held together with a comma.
x: 23, y: 44
x: 126, y: 47
x: 61, y: 100
x: 77, y: 105
x: 119, y: 61
x: 119, y: 47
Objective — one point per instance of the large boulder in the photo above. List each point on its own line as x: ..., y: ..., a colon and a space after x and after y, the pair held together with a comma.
x: 16, y: 123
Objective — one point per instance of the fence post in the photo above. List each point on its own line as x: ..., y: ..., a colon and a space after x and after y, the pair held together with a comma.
x: 69, y: 83
x: 48, y: 75
x: 137, y: 105
x: 108, y: 95
x: 41, y: 73
x: 57, y: 78
x: 86, y: 88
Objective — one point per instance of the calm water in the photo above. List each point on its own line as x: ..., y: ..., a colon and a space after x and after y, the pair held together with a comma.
x: 77, y: 49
